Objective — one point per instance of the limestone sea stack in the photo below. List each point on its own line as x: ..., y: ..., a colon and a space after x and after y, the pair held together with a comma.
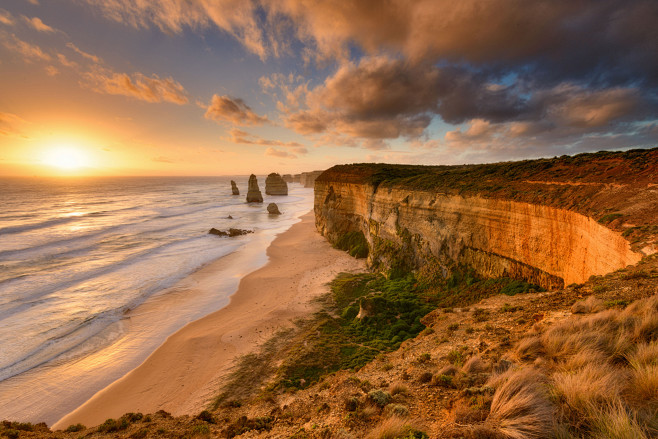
x: 275, y: 185
x: 273, y: 209
x: 234, y: 188
x: 253, y: 192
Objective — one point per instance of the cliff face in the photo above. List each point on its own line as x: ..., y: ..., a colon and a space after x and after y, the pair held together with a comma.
x: 495, y: 233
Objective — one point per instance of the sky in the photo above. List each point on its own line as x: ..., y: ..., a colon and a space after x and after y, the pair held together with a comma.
x: 228, y: 87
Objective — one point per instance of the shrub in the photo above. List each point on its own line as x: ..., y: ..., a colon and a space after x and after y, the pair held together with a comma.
x: 206, y: 416
x: 474, y: 365
x: 75, y: 428
x: 399, y: 410
x: 425, y: 377
x: 379, y: 397
x: 442, y: 380
x: 456, y: 357
x: 354, y: 243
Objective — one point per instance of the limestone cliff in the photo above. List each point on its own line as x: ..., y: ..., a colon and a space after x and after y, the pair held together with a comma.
x: 253, y: 192
x: 275, y: 185
x: 551, y: 222
x: 234, y: 188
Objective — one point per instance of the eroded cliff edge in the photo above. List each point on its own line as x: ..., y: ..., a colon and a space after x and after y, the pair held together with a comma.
x: 551, y: 221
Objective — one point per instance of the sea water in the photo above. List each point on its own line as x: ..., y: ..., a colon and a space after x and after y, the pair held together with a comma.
x: 77, y: 254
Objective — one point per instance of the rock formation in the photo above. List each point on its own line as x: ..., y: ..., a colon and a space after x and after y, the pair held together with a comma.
x: 273, y: 209
x: 253, y: 192
x: 234, y: 188
x: 546, y: 221
x: 307, y: 179
x: 274, y: 185
x: 230, y: 233
x: 287, y: 178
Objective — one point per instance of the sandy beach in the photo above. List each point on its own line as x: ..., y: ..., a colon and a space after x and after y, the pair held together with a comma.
x: 184, y: 374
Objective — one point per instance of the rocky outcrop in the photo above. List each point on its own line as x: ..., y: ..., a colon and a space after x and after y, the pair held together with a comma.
x: 234, y: 188
x: 253, y: 192
x: 274, y: 185
x: 287, y: 178
x: 273, y: 209
x: 307, y: 179
x: 230, y: 233
x: 497, y: 225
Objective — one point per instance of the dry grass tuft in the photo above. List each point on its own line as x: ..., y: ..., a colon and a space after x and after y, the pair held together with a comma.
x: 589, y: 305
x: 613, y: 421
x: 391, y: 428
x: 529, y: 348
x: 592, y: 385
x: 520, y: 408
x: 474, y: 365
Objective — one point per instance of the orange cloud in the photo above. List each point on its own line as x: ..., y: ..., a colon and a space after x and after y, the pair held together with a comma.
x: 12, y: 125
x: 30, y: 52
x: 233, y: 110
x: 89, y: 56
x: 138, y: 86
x: 6, y: 18
x: 278, y: 153
x: 239, y: 136
x: 37, y: 24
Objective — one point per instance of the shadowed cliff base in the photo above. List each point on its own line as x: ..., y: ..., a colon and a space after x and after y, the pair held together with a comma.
x: 551, y: 221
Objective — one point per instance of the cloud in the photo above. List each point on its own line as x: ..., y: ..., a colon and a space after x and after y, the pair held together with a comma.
x: 30, y: 52
x: 233, y: 110
x: 138, y: 86
x: 88, y: 56
x: 6, y: 18
x: 66, y: 62
x: 239, y: 136
x: 12, y: 125
x: 236, y: 17
x: 162, y: 159
x: 37, y: 24
x: 52, y: 71
x: 278, y: 153
x: 388, y: 98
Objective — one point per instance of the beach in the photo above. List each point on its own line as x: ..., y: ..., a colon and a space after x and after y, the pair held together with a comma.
x: 185, y: 373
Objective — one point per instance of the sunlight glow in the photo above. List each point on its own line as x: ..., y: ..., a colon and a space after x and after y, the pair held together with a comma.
x: 66, y: 158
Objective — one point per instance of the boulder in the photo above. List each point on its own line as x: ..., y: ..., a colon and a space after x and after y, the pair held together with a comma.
x: 253, y: 192
x: 273, y: 209
x: 275, y: 185
x: 234, y: 188
x: 230, y: 233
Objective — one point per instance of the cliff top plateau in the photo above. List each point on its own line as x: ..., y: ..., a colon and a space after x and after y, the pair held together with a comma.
x: 618, y: 189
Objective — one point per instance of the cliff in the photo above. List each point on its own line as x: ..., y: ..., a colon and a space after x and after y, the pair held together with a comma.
x: 275, y: 185
x: 551, y: 222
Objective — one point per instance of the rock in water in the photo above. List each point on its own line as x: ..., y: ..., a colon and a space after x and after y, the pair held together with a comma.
x: 253, y: 193
x: 275, y: 185
x: 234, y: 188
x: 273, y: 209
x: 231, y: 232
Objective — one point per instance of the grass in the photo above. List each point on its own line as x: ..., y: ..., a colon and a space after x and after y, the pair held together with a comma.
x: 605, y: 219
x: 520, y: 408
x: 395, y: 428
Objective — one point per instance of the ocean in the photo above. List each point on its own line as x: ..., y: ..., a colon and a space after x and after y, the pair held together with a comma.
x: 79, y: 259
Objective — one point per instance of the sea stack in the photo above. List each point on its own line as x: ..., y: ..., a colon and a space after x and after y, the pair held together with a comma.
x: 253, y: 192
x: 234, y: 188
x: 275, y: 185
x: 273, y: 209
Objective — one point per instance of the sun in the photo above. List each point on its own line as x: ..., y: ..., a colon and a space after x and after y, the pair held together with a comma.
x: 67, y: 158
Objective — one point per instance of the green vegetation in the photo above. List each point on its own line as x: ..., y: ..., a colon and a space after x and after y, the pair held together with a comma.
x: 354, y: 243
x: 336, y: 339
x: 605, y: 219
x: 74, y: 428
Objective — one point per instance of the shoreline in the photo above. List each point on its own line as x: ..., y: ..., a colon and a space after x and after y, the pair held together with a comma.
x: 184, y: 373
